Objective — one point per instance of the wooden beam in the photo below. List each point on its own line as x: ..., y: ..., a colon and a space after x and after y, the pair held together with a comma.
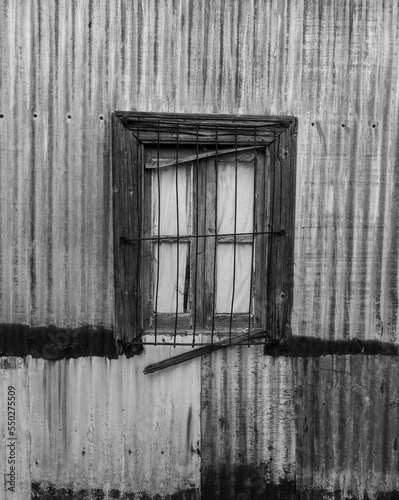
x: 153, y: 164
x: 127, y: 159
x: 200, y: 351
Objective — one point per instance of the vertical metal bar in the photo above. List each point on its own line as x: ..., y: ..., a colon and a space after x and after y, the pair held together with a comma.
x: 139, y: 173
x: 178, y: 233
x: 235, y: 233
x: 254, y: 226
x: 254, y: 222
x: 158, y: 236
x: 216, y: 235
x: 196, y: 239
x: 187, y: 279
x: 281, y: 177
x: 273, y: 167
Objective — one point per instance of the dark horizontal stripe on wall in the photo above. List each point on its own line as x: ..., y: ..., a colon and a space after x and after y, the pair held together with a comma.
x: 56, y: 343
x: 51, y: 342
x: 51, y: 492
x: 250, y: 482
x: 313, y: 347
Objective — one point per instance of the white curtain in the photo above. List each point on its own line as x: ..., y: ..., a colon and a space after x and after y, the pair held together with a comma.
x: 244, y: 224
x: 170, y: 259
x: 224, y: 277
x: 168, y: 200
x: 171, y: 282
x: 226, y: 197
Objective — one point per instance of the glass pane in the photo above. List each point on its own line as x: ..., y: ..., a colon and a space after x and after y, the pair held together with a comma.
x: 168, y: 200
x: 171, y: 286
x: 224, y: 277
x: 226, y: 197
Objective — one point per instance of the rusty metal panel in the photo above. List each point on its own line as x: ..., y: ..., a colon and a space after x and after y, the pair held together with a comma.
x: 347, y: 411
x: 247, y: 424
x: 93, y: 423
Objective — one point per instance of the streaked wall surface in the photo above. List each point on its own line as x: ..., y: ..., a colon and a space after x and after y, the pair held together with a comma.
x: 347, y: 411
x: 98, y: 424
x: 334, y: 65
x: 247, y: 424
x: 329, y: 63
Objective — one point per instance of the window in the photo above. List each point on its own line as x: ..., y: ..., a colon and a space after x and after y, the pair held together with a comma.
x: 203, y: 225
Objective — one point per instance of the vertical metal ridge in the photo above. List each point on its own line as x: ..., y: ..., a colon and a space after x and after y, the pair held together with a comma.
x: 345, y: 424
x: 329, y: 64
x: 247, y: 421
x: 89, y: 58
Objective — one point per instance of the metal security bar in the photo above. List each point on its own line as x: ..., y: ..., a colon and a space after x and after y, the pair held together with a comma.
x: 192, y: 295
x: 206, y: 296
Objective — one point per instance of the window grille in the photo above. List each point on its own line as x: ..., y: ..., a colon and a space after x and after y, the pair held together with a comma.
x: 203, y: 223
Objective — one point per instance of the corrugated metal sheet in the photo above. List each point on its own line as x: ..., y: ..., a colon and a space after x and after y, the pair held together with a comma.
x: 347, y: 411
x: 329, y: 63
x: 247, y: 423
x: 66, y: 65
x: 94, y: 423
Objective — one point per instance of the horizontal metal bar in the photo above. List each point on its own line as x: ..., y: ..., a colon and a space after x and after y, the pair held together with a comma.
x: 188, y: 238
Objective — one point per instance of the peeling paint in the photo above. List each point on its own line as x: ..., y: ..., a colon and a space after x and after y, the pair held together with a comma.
x: 10, y: 363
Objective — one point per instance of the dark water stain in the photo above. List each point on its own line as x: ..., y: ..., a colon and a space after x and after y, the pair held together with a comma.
x: 51, y: 342
x: 51, y: 492
x: 299, y: 346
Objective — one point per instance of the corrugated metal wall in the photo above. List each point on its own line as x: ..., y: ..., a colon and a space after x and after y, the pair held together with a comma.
x: 347, y: 411
x: 247, y: 425
x: 95, y: 424
x: 65, y: 65
x: 329, y: 63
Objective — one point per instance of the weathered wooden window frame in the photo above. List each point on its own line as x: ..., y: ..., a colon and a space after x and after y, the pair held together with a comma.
x: 132, y: 133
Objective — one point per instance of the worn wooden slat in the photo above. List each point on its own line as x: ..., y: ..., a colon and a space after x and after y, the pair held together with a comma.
x: 224, y: 137
x: 127, y: 212
x: 186, y: 159
x: 281, y: 251
x: 168, y: 152
x: 194, y: 119
x: 209, y: 225
x: 167, y: 128
x: 261, y: 197
x: 195, y: 353
x: 204, y: 190
x: 239, y: 321
x: 198, y: 247
x: 240, y: 238
x: 146, y: 270
x: 167, y: 322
